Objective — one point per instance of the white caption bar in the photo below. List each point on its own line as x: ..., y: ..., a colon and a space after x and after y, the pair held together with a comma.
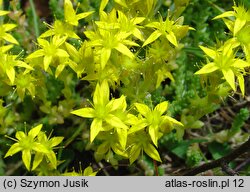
x: 124, y: 184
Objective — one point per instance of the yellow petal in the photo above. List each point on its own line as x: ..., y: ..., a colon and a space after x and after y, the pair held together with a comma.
x: 26, y: 157
x: 172, y: 38
x: 10, y: 71
x: 226, y: 14
x: 95, y: 128
x: 240, y: 64
x: 35, y: 131
x: 10, y: 38
x: 15, y: 148
x: 83, y: 15
x: 239, y: 23
x: 103, y: 4
x: 84, y: 112
x: 229, y: 76
x: 124, y: 50
x: 208, y: 68
x: 153, y: 132
x: 241, y: 83
x: 209, y: 52
x: 105, y: 55
x: 47, y: 61
x: 152, y: 37
x: 151, y: 151
x: 9, y: 27
x: 122, y: 137
x: 161, y: 107
x: 38, y: 53
x: 143, y: 109
x: 115, y: 121
x: 4, y: 12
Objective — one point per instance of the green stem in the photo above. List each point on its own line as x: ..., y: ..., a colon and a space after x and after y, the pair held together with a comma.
x: 35, y: 19
x: 1, y: 8
x: 156, y: 168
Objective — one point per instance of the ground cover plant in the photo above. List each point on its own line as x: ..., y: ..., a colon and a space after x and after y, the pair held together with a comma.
x: 116, y: 88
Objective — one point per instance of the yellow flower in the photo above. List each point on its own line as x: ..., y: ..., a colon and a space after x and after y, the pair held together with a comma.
x: 224, y: 60
x: 105, y: 113
x: 242, y: 16
x: 4, y: 28
x: 27, y: 143
x: 49, y: 51
x: 70, y: 14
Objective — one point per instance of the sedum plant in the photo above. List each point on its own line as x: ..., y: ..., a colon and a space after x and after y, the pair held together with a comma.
x: 108, y: 72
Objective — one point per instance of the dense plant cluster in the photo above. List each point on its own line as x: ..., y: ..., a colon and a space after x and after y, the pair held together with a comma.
x: 122, y: 68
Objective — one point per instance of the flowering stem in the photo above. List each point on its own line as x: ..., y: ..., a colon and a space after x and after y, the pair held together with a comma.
x: 156, y: 168
x: 35, y: 23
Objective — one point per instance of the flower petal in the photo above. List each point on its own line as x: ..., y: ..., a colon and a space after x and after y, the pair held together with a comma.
x: 229, y: 76
x: 151, y: 151
x: 161, y: 107
x: 95, y: 128
x: 241, y: 83
x: 35, y: 131
x: 172, y: 38
x: 142, y: 109
x: 209, y: 52
x: 124, y: 50
x: 26, y: 157
x: 85, y: 112
x: 115, y: 121
x: 152, y: 37
x: 15, y: 148
x: 208, y: 68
